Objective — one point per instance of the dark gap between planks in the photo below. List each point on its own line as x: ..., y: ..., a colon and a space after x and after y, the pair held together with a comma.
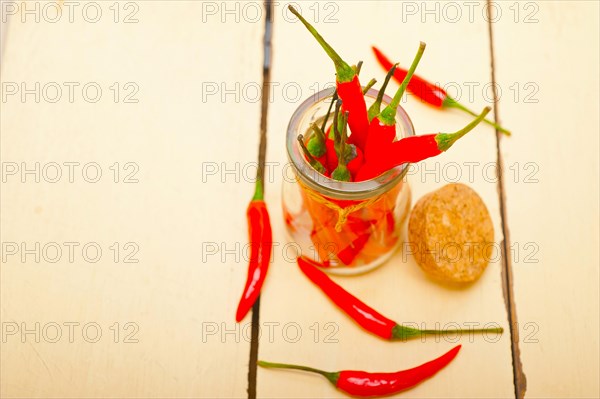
x: 262, y: 152
x: 519, y: 378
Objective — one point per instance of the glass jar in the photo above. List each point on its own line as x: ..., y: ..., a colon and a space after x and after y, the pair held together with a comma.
x: 349, y: 227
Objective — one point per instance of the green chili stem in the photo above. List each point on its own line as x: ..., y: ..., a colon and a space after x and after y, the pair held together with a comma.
x: 333, y: 100
x: 343, y: 140
x: 341, y: 172
x: 375, y: 108
x: 403, y: 333
x: 388, y: 115
x: 331, y: 376
x: 345, y: 73
x: 358, y: 67
x: 369, y: 85
x: 498, y: 330
x: 258, y: 190
x: 311, y: 159
x: 446, y: 140
x: 452, y: 103
x: 318, y: 132
x: 336, y: 114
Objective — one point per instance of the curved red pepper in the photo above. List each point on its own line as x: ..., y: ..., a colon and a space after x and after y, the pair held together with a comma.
x: 261, y: 244
x: 367, y: 317
x: 409, y: 149
x: 364, y: 315
x: 428, y: 92
x: 365, y: 385
x: 353, y: 101
x: 414, y: 149
x: 348, y: 88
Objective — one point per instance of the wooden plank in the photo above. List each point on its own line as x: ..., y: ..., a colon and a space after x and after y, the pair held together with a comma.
x: 549, y: 84
x: 290, y: 304
x: 182, y: 294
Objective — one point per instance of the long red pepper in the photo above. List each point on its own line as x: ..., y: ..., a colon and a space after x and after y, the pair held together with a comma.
x: 348, y: 87
x: 365, y: 385
x: 365, y: 316
x: 382, y: 129
x: 429, y: 92
x: 261, y: 244
x: 348, y: 254
x: 415, y: 149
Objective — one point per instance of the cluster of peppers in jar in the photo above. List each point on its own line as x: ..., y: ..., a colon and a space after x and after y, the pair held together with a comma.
x: 369, y: 151
x: 371, y: 148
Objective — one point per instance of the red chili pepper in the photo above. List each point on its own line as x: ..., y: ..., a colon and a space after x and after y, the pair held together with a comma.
x: 415, y: 149
x: 348, y: 254
x: 429, y: 92
x: 382, y: 129
x: 348, y: 87
x: 261, y: 244
x: 373, y: 137
x: 365, y: 316
x: 364, y: 384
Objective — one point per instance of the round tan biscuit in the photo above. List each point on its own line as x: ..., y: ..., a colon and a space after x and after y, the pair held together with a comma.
x: 452, y: 234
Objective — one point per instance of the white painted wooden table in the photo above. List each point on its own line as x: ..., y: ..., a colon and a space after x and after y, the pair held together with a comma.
x: 120, y: 274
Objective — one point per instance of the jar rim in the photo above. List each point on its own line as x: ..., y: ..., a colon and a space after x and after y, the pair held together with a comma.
x: 334, y: 188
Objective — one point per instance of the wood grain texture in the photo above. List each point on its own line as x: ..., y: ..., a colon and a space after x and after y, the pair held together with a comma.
x: 178, y: 292
x: 547, y: 65
x: 196, y: 153
x: 399, y: 289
